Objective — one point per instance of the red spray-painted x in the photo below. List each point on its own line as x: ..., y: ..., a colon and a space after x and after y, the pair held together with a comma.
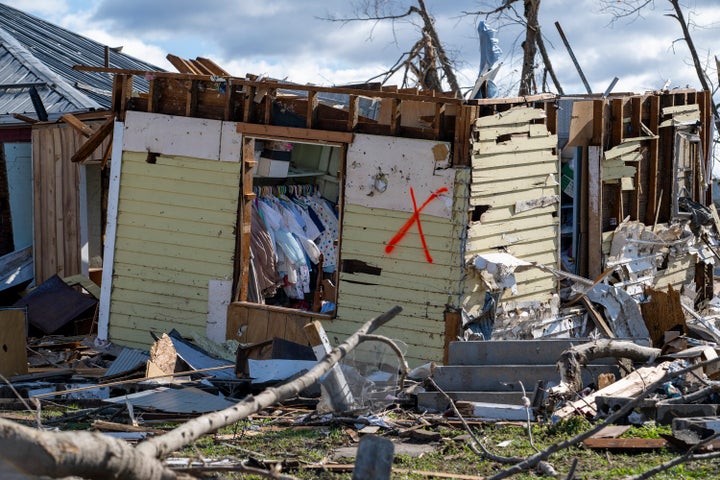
x: 415, y: 218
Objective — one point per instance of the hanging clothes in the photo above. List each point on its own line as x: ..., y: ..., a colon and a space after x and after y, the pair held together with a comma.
x: 326, y: 240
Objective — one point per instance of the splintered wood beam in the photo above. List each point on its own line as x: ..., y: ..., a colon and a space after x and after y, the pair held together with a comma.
x: 182, y: 65
x: 199, y: 67
x: 353, y: 113
x: 636, y: 131
x: 248, y: 104
x: 617, y: 107
x: 153, y: 94
x: 395, y: 116
x: 77, y: 124
x: 267, y: 108
x: 212, y: 67
x: 311, y: 114
x: 438, y: 120
x: 87, y: 148
x: 594, y: 211
x: 274, y: 131
x: 106, y: 156
x: 25, y: 118
x: 122, y: 90
x: 242, y: 267
x: 230, y: 100
x: 653, y: 161
x: 191, y: 98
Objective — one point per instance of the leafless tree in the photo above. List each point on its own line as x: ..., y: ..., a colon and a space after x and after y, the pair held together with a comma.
x: 634, y: 9
x: 427, y: 61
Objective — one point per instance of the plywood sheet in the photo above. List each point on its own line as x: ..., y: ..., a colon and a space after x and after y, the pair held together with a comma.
x: 13, y: 356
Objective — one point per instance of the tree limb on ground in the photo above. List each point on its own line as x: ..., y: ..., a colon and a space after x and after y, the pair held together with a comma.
x: 573, y: 359
x: 532, y: 461
x: 96, y: 456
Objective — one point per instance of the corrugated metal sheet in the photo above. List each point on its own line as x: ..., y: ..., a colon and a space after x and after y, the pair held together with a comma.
x: 175, y: 233
x: 406, y: 278
x: 514, y: 161
x: 129, y: 360
x: 185, y: 400
x: 36, y: 51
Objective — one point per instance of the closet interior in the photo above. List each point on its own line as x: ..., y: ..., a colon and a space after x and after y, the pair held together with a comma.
x: 295, y: 225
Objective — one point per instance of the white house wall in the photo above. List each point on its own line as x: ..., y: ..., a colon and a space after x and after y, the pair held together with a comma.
x: 175, y: 229
x: 403, y: 276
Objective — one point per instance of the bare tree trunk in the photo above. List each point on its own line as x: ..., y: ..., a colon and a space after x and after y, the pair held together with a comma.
x: 83, y: 454
x: 527, y: 77
x: 95, y: 456
x: 696, y: 60
x: 442, y: 57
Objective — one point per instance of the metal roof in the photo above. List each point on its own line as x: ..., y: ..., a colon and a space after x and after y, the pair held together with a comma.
x: 37, y: 53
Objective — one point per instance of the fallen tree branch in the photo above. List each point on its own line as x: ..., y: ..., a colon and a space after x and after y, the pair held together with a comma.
x: 532, y: 461
x: 96, y: 456
x: 685, y: 457
x: 572, y: 360
x: 483, y: 452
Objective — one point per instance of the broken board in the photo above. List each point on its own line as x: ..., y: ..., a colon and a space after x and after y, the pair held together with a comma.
x: 13, y: 356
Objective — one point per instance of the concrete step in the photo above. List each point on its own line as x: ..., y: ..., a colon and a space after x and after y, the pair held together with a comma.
x: 436, y: 401
x: 515, y: 352
x: 505, y: 378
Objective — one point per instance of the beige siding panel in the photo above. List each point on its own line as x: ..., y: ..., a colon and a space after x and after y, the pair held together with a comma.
x: 479, y: 230
x: 508, y: 213
x: 514, y: 160
x: 493, y: 187
x: 175, y: 233
x: 518, y: 145
x: 678, y: 273
x: 508, y: 159
x: 133, y: 271
x: 510, y: 199
x: 407, y: 279
x: 209, y: 243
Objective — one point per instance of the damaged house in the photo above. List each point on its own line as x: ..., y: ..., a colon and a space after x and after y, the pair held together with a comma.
x: 51, y: 206
x: 476, y: 216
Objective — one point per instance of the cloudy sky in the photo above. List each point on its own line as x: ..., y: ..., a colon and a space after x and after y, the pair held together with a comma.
x: 288, y: 38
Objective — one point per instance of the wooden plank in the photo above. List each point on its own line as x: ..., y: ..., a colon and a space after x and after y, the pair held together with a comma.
x: 77, y: 124
x: 212, y: 67
x: 492, y: 133
x: 453, y: 323
x: 594, y: 213
x: 293, y: 133
x: 653, y: 161
x: 509, y: 158
x: 395, y: 117
x: 488, y: 187
x: 191, y: 98
x: 626, y: 443
x: 516, y: 145
x: 95, y: 140
x: 13, y: 356
x: 241, y: 273
x: 448, y: 99
x: 353, y: 112
x: 514, y: 115
x: 312, y: 112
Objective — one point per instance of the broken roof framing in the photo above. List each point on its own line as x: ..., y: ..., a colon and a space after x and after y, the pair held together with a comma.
x: 487, y: 171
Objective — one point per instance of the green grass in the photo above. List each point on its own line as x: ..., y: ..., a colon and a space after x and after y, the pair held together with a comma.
x: 292, y: 446
x: 453, y: 455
